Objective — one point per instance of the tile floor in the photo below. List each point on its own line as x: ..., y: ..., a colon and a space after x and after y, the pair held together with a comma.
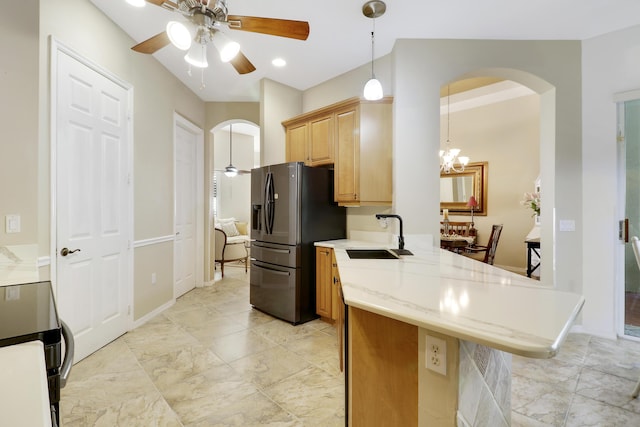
x: 210, y: 360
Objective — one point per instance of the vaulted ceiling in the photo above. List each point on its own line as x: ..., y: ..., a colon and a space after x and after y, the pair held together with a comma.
x: 340, y: 35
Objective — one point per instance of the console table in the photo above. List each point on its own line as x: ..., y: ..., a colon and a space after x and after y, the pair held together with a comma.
x: 533, y: 246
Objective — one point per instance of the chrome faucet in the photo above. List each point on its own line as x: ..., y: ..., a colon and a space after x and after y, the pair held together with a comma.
x: 401, y: 250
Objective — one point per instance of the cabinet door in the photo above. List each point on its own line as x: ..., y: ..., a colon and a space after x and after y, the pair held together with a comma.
x: 323, y: 282
x: 375, y: 152
x: 335, y: 286
x: 320, y: 147
x: 297, y: 143
x: 347, y: 168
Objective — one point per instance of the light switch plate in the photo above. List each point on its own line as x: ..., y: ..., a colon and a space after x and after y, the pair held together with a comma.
x: 567, y: 225
x: 12, y: 223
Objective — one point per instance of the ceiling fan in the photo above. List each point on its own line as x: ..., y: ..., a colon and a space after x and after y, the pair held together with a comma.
x: 231, y: 170
x: 208, y: 17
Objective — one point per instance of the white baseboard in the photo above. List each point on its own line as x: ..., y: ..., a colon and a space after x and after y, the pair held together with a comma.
x: 144, y: 319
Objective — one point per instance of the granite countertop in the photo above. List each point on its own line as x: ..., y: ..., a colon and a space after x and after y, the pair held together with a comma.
x: 461, y: 297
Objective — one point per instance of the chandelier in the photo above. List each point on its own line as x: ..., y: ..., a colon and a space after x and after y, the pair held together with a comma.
x: 449, y: 156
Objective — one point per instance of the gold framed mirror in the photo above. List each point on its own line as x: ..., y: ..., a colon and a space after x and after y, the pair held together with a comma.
x: 457, y: 187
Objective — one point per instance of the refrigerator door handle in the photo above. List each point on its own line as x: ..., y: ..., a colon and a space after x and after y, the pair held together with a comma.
x: 272, y: 270
x: 278, y: 251
x: 270, y: 203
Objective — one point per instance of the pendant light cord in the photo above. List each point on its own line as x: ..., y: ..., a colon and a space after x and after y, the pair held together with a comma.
x: 230, y: 148
x: 373, y: 76
x: 448, y: 115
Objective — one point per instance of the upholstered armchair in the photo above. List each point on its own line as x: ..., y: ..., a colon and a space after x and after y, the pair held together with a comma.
x: 231, y: 245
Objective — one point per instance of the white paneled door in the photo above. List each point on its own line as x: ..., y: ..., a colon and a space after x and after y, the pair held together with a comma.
x: 92, y: 202
x: 188, y: 205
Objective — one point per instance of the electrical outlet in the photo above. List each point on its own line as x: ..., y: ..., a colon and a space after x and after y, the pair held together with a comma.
x: 436, y: 355
x: 153, y: 278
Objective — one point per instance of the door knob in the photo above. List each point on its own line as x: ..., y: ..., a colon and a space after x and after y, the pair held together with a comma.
x: 66, y: 251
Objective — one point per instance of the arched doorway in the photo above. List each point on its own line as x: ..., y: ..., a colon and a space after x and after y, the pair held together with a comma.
x: 236, y: 142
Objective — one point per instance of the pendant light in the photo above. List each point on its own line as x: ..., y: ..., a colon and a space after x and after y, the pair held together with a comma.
x: 230, y: 170
x: 373, y: 9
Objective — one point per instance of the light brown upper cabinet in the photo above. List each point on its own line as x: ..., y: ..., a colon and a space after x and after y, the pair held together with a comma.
x: 356, y: 136
x: 309, y: 139
x: 297, y: 142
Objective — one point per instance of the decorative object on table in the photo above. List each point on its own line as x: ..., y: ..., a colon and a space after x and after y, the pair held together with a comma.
x: 472, y: 203
x: 532, y: 201
x: 449, y: 155
x: 445, y: 221
x: 373, y: 9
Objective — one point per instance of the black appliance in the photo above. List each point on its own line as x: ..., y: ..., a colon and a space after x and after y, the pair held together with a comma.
x: 28, y: 313
x: 292, y: 207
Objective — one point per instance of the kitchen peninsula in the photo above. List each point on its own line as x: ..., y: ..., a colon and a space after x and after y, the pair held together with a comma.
x: 464, y: 317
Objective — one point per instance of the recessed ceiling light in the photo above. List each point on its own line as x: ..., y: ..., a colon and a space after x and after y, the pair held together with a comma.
x: 136, y: 3
x: 279, y: 62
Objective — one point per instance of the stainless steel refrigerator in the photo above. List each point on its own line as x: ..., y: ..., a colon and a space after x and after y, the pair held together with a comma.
x: 292, y: 207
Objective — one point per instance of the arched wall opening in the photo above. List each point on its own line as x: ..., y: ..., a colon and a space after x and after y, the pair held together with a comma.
x: 229, y: 196
x: 512, y: 110
x: 547, y: 94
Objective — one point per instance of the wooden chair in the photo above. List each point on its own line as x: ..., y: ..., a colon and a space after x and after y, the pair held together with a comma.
x: 229, y: 252
x: 635, y: 243
x: 459, y: 228
x: 490, y: 249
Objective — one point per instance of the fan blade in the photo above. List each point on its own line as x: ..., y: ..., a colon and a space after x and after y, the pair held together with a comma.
x: 275, y: 27
x: 153, y: 44
x: 242, y: 64
x: 161, y: 2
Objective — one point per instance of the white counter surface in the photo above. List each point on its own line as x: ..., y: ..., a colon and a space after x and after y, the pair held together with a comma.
x: 461, y: 297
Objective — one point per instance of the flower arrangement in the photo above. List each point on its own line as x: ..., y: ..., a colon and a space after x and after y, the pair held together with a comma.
x: 532, y: 200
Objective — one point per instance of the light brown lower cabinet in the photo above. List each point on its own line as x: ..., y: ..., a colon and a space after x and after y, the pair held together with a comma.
x: 382, y: 372
x: 329, y: 301
x: 327, y: 284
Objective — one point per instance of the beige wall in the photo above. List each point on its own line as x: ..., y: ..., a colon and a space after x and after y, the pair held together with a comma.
x: 278, y: 103
x: 507, y: 136
x: 152, y: 259
x: 78, y: 25
x: 349, y: 85
x: 18, y: 119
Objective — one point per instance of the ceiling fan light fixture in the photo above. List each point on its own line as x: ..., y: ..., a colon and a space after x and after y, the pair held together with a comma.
x: 227, y: 48
x: 197, y: 56
x: 137, y: 3
x: 231, y: 171
x: 179, y: 35
x: 278, y: 62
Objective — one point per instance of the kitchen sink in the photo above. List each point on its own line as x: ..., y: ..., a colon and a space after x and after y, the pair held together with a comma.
x: 371, y: 254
